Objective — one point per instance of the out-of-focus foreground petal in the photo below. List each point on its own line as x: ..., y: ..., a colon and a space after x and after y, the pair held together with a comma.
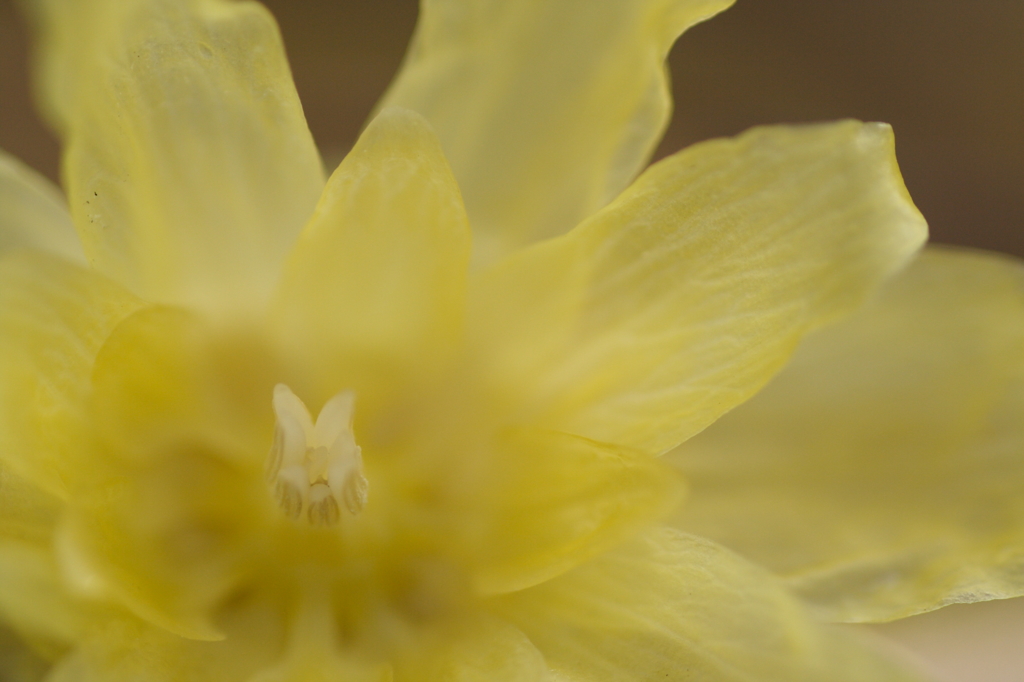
x: 188, y: 163
x: 18, y: 661
x: 127, y: 649
x: 882, y: 472
x: 32, y: 212
x: 684, y: 296
x: 32, y: 601
x: 54, y: 316
x: 374, y: 291
x: 541, y: 503
x: 671, y: 606
x: 546, y: 109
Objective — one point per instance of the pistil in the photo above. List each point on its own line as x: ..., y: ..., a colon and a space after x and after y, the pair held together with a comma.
x: 315, y: 468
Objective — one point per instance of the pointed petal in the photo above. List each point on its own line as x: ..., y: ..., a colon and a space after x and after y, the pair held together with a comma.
x: 679, y: 300
x: 541, y: 503
x: 33, y: 213
x: 375, y: 286
x: 546, y: 108
x: 189, y: 166
x: 54, y: 317
x: 675, y: 607
x: 881, y: 472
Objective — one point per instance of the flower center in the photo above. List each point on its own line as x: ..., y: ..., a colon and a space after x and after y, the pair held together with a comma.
x: 315, y: 467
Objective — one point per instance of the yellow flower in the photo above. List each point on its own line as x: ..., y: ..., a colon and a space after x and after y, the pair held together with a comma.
x: 259, y: 426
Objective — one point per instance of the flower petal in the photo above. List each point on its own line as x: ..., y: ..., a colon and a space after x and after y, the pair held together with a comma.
x: 33, y: 598
x: 18, y: 661
x: 375, y: 287
x: 679, y: 300
x: 33, y: 213
x: 189, y: 166
x: 882, y: 470
x: 671, y: 606
x: 26, y: 512
x: 127, y: 649
x: 541, y: 503
x: 175, y: 478
x: 479, y: 648
x: 54, y: 317
x: 547, y: 109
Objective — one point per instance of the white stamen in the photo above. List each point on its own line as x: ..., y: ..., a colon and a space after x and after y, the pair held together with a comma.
x: 315, y: 467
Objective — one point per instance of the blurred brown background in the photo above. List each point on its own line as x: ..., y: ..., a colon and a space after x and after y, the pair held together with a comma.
x: 948, y: 74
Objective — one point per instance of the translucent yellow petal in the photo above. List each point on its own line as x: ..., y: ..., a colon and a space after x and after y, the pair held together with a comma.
x: 375, y: 287
x: 175, y: 478
x: 18, y: 661
x: 547, y: 109
x: 33, y: 598
x: 881, y: 472
x: 189, y: 166
x: 124, y: 649
x: 164, y: 378
x: 33, y: 602
x: 681, y: 298
x: 540, y: 503
x: 26, y: 512
x: 54, y: 317
x: 33, y: 213
x: 674, y: 607
x: 479, y: 648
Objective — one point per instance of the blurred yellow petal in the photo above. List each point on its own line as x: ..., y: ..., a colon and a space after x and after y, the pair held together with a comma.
x: 188, y: 163
x: 176, y: 477
x: 164, y: 378
x: 547, y: 109
x: 126, y: 649
x: 375, y: 287
x: 541, y: 503
x: 18, y: 661
x: 680, y: 299
x: 26, y: 511
x: 54, y: 317
x: 672, y: 606
x: 33, y: 213
x: 478, y: 649
x: 33, y: 599
x: 881, y: 472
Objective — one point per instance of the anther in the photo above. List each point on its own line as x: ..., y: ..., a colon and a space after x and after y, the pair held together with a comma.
x: 316, y: 468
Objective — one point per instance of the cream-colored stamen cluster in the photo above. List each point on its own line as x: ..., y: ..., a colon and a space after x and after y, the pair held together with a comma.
x: 316, y: 468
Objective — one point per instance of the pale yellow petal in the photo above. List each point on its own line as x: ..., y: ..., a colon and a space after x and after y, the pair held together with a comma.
x: 18, y: 661
x: 479, y: 648
x: 188, y: 165
x: 33, y: 213
x: 537, y: 504
x: 33, y: 602
x: 375, y: 287
x: 680, y: 299
x: 164, y: 377
x: 33, y: 599
x: 26, y: 511
x: 546, y: 108
x: 675, y: 607
x: 882, y: 472
x: 125, y: 649
x: 175, y: 492
x: 54, y: 317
